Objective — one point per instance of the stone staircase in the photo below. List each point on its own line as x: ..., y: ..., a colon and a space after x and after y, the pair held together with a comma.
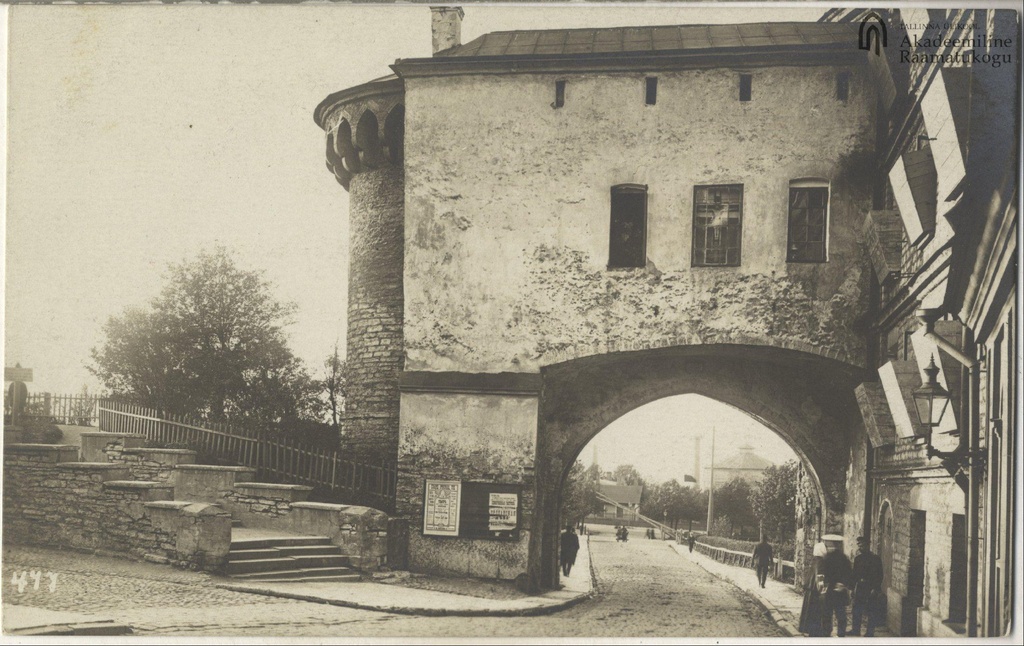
x: 275, y: 534
x: 285, y: 558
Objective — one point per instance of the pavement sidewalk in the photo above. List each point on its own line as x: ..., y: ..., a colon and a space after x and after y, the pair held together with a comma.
x: 780, y: 600
x: 26, y: 620
x: 393, y: 598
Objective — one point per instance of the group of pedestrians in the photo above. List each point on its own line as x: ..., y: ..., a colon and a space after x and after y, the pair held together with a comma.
x: 827, y: 589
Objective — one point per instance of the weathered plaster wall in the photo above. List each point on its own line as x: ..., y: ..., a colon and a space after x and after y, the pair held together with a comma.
x: 507, y: 215
x: 469, y: 437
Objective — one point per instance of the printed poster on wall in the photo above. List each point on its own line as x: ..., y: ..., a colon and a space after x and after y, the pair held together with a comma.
x: 502, y: 512
x: 441, y: 507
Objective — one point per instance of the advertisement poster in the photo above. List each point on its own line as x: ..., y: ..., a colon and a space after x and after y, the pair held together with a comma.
x: 502, y: 512
x: 441, y: 508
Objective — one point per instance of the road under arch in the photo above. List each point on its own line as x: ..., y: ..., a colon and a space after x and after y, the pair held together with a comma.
x: 806, y: 398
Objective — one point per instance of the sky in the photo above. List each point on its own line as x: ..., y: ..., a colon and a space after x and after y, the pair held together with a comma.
x: 139, y: 135
x: 658, y: 438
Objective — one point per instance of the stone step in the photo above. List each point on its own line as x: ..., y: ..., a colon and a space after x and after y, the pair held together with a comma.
x: 309, y: 550
x: 322, y: 560
x: 352, y: 578
x: 235, y: 522
x: 247, y: 566
x: 278, y: 541
x: 260, y: 553
x: 299, y: 574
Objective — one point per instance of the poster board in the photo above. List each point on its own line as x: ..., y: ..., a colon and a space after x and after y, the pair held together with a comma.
x: 491, y: 511
x: 441, y: 507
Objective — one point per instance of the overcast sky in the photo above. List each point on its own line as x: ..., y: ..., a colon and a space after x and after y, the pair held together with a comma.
x: 141, y: 134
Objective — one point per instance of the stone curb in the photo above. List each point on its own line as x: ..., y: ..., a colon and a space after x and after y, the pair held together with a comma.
x: 766, y: 605
x: 521, y: 611
x: 555, y: 601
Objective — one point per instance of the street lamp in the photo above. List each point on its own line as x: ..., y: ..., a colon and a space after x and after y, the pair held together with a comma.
x: 931, y: 398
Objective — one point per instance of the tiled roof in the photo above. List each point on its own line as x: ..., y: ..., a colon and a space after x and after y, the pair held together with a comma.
x: 555, y: 42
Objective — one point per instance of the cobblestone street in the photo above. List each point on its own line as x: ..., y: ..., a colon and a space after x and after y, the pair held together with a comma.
x: 644, y: 589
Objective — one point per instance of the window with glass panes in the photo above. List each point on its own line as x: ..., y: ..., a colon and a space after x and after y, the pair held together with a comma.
x: 717, y: 225
x: 808, y: 224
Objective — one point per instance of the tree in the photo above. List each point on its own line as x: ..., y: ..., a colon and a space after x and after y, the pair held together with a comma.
x: 334, y: 387
x: 773, y: 500
x: 626, y: 474
x: 673, y: 502
x: 579, y: 494
x: 211, y: 345
x: 733, y: 500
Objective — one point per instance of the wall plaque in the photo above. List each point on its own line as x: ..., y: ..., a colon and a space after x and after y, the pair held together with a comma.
x: 441, y: 507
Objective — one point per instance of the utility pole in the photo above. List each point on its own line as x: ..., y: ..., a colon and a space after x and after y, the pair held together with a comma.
x: 711, y: 486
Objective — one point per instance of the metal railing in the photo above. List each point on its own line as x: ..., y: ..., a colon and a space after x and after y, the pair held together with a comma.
x: 666, y: 530
x: 781, y: 570
x: 275, y: 457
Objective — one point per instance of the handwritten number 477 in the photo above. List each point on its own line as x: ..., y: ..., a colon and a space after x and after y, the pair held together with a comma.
x: 21, y: 580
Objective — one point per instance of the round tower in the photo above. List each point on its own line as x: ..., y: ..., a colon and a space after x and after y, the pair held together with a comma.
x: 364, y: 127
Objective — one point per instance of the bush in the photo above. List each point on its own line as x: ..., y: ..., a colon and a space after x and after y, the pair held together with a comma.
x: 39, y: 430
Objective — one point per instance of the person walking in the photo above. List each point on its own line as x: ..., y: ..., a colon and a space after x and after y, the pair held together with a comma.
x: 569, y: 547
x: 867, y: 588
x: 837, y: 573
x: 762, y: 560
x: 691, y: 540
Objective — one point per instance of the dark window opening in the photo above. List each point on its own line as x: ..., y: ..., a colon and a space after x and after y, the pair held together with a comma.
x: 958, y: 571
x: 745, y: 81
x: 559, y: 93
x: 717, y: 225
x: 628, y: 244
x: 808, y: 224
x: 652, y: 90
x: 843, y: 86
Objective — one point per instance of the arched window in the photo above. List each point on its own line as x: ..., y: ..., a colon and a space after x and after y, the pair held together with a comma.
x: 808, y: 221
x: 628, y: 244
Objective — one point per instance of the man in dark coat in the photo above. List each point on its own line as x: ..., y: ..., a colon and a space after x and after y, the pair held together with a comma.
x: 690, y: 541
x: 762, y: 559
x: 837, y: 573
x: 570, y: 545
x: 867, y: 588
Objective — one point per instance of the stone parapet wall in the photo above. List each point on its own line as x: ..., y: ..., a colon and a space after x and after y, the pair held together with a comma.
x: 51, y: 499
x: 259, y: 504
x: 155, y: 464
x: 108, y: 447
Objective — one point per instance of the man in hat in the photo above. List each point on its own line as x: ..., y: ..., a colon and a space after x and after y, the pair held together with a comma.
x: 837, y: 573
x: 570, y: 545
x: 867, y: 587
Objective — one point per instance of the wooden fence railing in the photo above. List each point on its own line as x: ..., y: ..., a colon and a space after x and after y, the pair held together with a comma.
x: 276, y: 457
x: 80, y: 410
x: 781, y: 570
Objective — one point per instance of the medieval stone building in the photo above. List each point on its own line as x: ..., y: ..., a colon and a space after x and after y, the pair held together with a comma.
x: 552, y: 228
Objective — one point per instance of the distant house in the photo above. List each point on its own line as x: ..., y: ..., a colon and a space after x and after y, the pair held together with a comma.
x: 745, y: 464
x: 627, y: 496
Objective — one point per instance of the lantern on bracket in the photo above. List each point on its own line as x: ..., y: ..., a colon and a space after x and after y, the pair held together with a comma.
x: 931, y: 398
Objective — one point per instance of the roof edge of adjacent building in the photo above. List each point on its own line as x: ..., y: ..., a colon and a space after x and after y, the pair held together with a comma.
x: 819, y: 54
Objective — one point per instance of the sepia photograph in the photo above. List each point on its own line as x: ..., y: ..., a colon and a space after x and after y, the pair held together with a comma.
x: 409, y: 321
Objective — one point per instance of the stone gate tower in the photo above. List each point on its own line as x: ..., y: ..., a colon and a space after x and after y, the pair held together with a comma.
x: 364, y: 151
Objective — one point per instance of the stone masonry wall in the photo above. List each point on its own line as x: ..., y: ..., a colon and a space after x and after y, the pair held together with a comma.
x: 375, y: 313
x: 52, y: 499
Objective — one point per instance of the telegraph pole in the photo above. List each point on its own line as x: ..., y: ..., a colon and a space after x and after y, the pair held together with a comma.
x: 711, y: 486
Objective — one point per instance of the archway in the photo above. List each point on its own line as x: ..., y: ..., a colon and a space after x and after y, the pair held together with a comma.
x: 805, y: 398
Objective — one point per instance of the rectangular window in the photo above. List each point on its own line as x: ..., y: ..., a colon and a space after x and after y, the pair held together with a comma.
x: 559, y: 93
x: 745, y: 83
x: 843, y: 86
x: 652, y: 90
x: 628, y: 244
x: 717, y: 225
x: 808, y: 224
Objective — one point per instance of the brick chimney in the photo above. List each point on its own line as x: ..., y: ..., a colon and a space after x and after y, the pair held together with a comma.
x: 445, y: 27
